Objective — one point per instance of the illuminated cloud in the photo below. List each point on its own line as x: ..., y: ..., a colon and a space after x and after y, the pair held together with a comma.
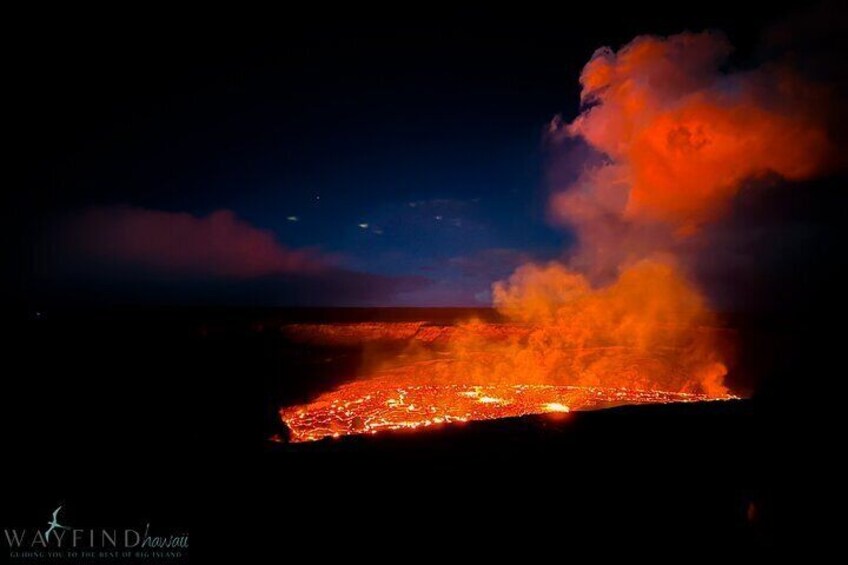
x: 675, y: 138
x: 181, y: 244
x: 680, y: 135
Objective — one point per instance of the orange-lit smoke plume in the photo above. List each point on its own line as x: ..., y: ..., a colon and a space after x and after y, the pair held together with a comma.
x: 678, y: 138
x: 675, y: 139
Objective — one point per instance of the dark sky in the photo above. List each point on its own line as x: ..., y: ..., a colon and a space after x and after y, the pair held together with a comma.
x: 403, y: 151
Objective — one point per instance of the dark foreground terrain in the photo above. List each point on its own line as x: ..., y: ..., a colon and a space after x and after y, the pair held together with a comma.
x: 162, y: 416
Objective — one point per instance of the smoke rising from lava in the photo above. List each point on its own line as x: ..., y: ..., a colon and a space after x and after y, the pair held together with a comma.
x: 671, y: 143
x: 677, y: 138
x: 674, y: 139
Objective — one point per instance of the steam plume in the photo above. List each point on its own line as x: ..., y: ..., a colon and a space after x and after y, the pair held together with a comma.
x: 675, y: 138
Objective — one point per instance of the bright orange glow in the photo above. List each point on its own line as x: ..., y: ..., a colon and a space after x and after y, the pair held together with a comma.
x: 393, y: 402
x: 645, y: 338
x: 600, y: 348
x: 649, y: 330
x: 683, y: 136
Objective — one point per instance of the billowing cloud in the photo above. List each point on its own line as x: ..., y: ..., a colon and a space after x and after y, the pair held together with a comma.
x: 673, y: 139
x: 681, y: 135
x: 181, y: 244
x: 676, y: 138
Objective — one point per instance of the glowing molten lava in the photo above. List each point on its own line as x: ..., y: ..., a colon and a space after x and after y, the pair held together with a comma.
x: 395, y: 401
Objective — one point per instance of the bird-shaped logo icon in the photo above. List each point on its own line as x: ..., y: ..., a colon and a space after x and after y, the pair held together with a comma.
x: 54, y: 523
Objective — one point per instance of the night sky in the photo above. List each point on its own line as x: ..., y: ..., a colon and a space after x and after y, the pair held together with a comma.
x: 381, y: 158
